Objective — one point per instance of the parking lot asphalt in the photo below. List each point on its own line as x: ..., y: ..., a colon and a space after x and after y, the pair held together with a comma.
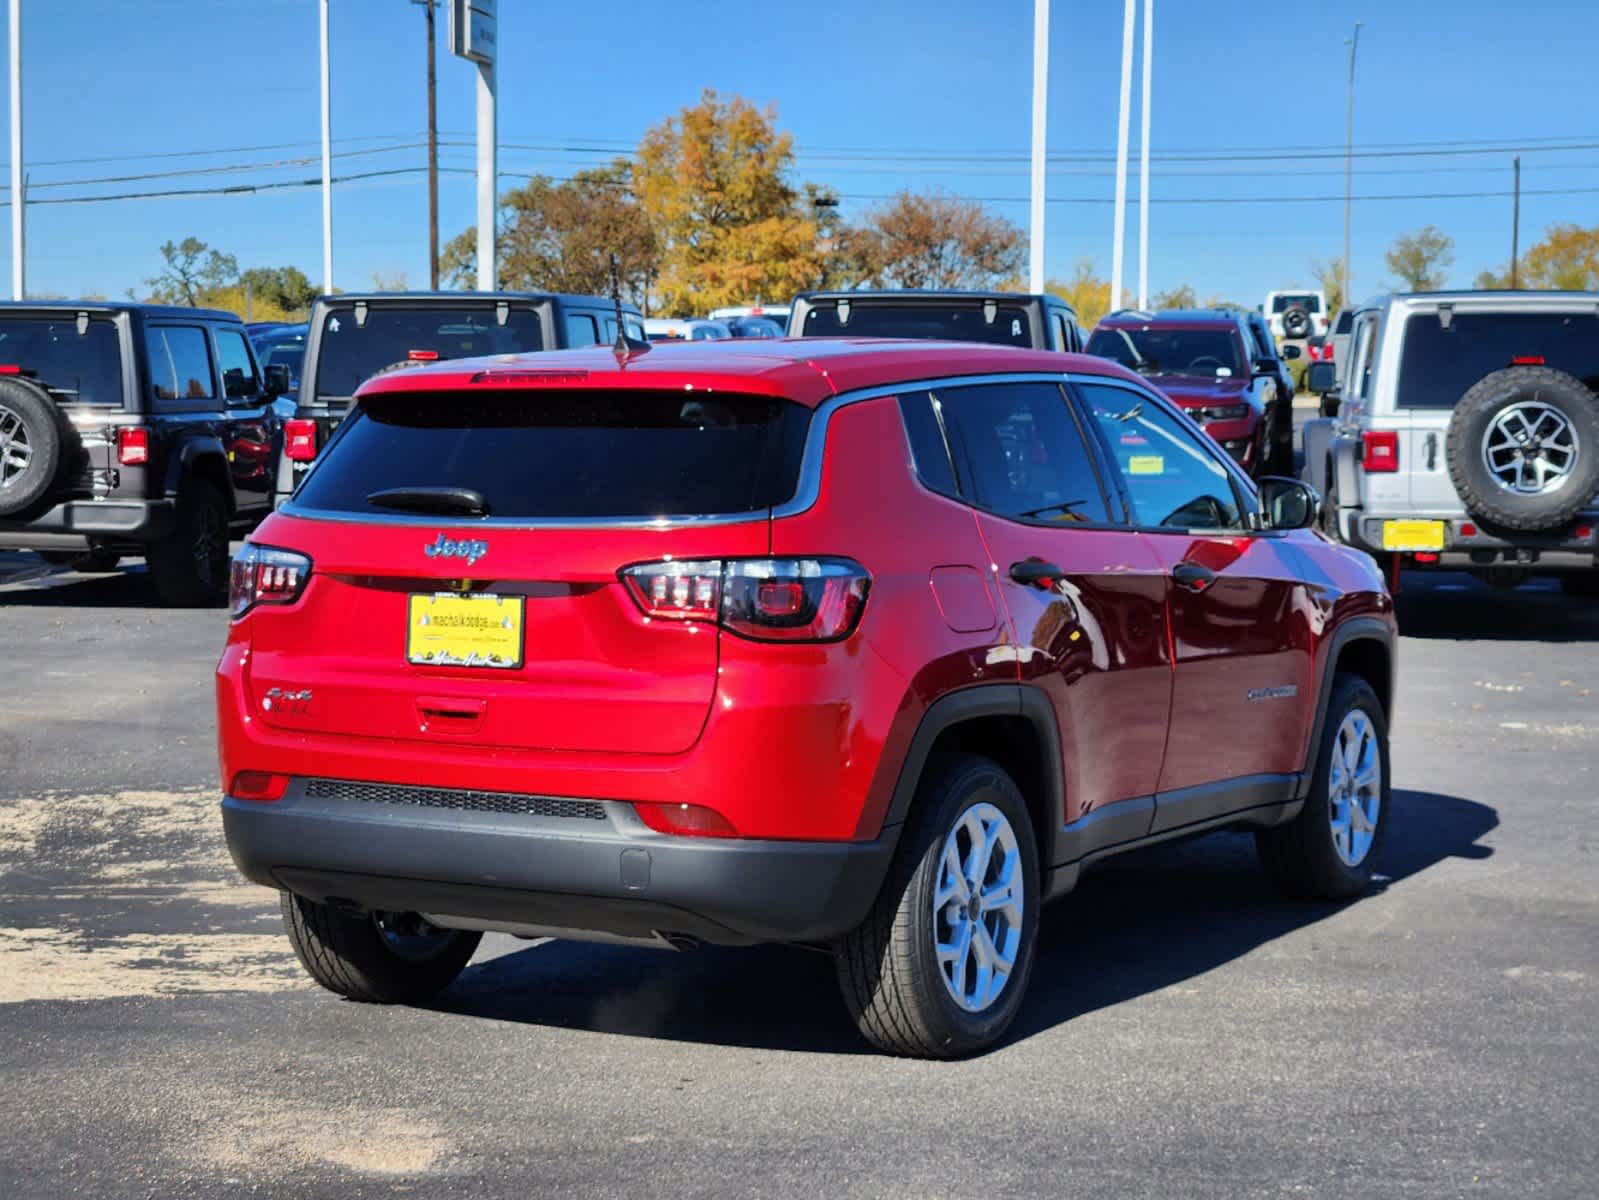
x: 1187, y: 1033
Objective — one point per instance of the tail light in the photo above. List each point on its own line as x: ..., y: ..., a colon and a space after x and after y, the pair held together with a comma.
x: 1379, y: 453
x: 764, y: 599
x: 133, y: 447
x: 299, y: 439
x: 685, y: 820
x: 264, y: 575
x: 258, y: 785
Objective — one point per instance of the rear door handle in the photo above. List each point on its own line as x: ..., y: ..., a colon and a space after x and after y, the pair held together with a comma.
x: 1035, y: 572
x: 1193, y: 576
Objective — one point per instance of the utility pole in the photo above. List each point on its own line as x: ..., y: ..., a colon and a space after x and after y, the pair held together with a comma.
x: 433, y: 150
x: 19, y: 257
x: 327, y: 159
x: 1349, y: 156
x: 1035, y: 237
x: 1143, y: 162
x: 1120, y: 234
x: 1515, y: 226
x: 475, y: 36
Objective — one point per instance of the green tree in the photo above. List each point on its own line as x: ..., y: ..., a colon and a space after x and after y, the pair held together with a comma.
x: 1422, y: 259
x: 1567, y: 258
x: 1086, y: 292
x: 713, y: 182
x: 1330, y: 279
x: 1181, y: 296
x: 931, y: 240
x: 192, y: 269
x: 560, y: 237
x: 284, y: 288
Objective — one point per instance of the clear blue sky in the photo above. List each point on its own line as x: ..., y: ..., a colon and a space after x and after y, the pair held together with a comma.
x: 869, y: 89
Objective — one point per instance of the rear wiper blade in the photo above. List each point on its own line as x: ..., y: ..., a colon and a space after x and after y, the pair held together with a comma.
x: 448, y: 500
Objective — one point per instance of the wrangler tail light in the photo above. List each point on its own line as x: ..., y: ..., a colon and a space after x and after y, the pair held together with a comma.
x: 764, y: 599
x: 133, y: 447
x: 299, y: 439
x: 265, y: 575
x: 1379, y: 453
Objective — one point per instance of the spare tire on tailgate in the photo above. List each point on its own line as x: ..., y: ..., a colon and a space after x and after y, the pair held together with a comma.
x: 31, y: 437
x: 1296, y: 322
x: 1523, y: 448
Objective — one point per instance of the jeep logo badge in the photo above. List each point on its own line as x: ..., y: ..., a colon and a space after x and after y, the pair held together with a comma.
x: 446, y: 547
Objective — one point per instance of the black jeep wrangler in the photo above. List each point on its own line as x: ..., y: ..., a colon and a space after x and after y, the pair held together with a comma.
x: 133, y: 429
x: 1027, y: 320
x: 355, y: 336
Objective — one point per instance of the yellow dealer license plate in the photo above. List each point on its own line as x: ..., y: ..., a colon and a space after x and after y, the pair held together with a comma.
x: 446, y: 629
x: 1412, y: 535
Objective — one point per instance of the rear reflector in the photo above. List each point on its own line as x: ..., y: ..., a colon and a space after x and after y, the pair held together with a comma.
x: 685, y: 820
x: 258, y: 785
x: 299, y: 439
x: 133, y: 447
x: 764, y: 599
x: 10, y: 369
x: 1380, y: 451
x: 1466, y: 529
x: 265, y: 575
x: 1426, y: 556
x: 1584, y: 532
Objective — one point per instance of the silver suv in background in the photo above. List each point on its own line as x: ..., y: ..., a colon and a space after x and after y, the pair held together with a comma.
x: 1466, y: 435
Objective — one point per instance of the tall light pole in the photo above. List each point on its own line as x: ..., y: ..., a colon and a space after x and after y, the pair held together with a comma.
x: 1035, y: 237
x: 1120, y: 234
x: 1143, y: 162
x: 327, y: 159
x: 433, y: 148
x: 487, y: 170
x: 19, y: 287
x: 1349, y: 156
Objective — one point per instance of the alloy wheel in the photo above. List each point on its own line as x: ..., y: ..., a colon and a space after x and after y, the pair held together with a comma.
x: 16, y: 451
x: 1354, y: 788
x: 977, y: 907
x: 1530, y: 448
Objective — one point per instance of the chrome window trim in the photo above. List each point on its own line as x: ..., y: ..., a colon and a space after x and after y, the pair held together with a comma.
x: 806, y: 492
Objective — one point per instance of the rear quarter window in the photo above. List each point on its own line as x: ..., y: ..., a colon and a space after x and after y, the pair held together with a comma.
x: 569, y: 454
x: 76, y: 368
x: 350, y: 352
x: 954, y: 323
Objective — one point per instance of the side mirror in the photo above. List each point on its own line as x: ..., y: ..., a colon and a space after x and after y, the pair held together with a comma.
x: 1288, y: 503
x: 1323, y: 378
x: 1265, y: 366
x: 1290, y: 353
x: 278, y: 380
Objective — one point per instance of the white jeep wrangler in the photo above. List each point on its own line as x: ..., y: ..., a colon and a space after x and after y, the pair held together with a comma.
x: 1466, y: 435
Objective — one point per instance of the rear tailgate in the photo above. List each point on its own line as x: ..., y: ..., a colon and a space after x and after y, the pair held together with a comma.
x: 577, y: 486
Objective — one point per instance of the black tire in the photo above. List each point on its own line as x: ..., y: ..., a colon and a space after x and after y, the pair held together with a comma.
x: 1481, y: 492
x: 1280, y: 444
x: 349, y: 954
x: 32, y: 443
x: 1296, y: 323
x: 1329, y: 504
x: 1300, y: 858
x: 1582, y: 584
x: 189, y: 567
x: 888, y: 969
x: 1329, y: 406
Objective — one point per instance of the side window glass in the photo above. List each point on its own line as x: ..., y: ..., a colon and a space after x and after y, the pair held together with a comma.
x: 180, y: 365
x: 923, y: 426
x: 1019, y: 453
x: 1063, y: 336
x: 1360, y: 361
x: 238, y: 370
x: 580, y: 331
x: 1173, y: 479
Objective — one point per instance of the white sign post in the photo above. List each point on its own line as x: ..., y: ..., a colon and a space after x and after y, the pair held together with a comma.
x: 474, y: 36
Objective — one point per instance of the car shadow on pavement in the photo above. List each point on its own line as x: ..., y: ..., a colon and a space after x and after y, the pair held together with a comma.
x: 65, y: 589
x: 1454, y: 606
x: 1133, y: 926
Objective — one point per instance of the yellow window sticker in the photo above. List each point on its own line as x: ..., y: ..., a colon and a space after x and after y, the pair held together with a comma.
x: 1146, y: 464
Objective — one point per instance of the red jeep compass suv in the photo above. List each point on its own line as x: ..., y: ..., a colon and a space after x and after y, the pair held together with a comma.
x: 867, y: 644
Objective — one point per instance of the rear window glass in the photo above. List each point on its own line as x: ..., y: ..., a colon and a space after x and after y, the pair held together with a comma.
x: 1308, y: 301
x: 349, y: 353
x: 1206, y: 353
x: 1345, y: 320
x: 77, y: 368
x: 1437, y: 366
x: 955, y: 324
x: 569, y: 453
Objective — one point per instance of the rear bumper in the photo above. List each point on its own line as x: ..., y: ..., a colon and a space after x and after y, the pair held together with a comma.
x: 72, y: 524
x: 1549, y: 551
x: 608, y: 877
